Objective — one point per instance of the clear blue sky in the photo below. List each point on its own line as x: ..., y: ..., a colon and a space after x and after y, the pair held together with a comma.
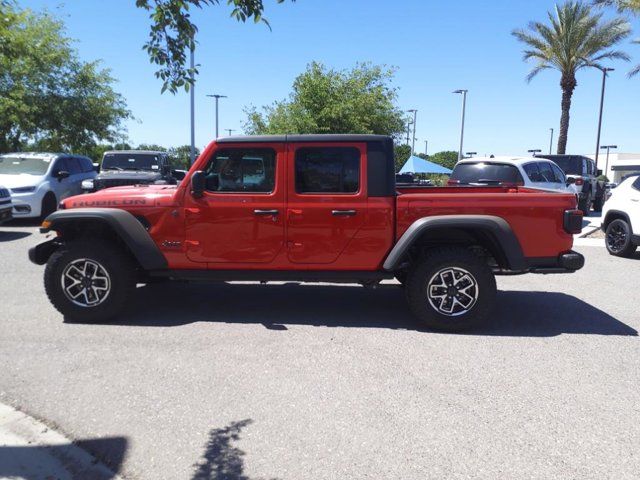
x: 436, y: 46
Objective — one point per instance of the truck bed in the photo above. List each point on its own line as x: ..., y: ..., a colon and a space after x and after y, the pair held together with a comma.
x: 535, y: 216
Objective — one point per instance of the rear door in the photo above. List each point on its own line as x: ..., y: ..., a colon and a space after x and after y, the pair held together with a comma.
x: 634, y: 206
x: 327, y: 199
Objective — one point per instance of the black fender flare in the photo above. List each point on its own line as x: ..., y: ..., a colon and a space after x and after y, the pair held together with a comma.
x: 497, y: 227
x: 617, y: 214
x: 123, y: 223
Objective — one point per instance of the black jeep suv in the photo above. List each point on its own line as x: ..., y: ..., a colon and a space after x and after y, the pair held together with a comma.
x: 131, y: 167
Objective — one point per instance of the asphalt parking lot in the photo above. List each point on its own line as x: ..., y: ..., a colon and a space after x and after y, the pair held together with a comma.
x: 324, y: 381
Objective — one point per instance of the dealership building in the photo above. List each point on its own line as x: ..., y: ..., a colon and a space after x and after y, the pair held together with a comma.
x: 619, y: 165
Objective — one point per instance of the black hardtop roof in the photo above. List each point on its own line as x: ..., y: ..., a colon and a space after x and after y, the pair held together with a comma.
x: 304, y: 138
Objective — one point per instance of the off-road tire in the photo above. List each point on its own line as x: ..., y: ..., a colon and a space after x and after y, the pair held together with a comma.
x: 118, y: 265
x: 49, y: 205
x: 618, y: 239
x: 598, y: 203
x: 585, y: 205
x: 429, y: 267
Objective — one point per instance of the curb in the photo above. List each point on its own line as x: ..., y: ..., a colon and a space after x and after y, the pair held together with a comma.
x: 30, y: 449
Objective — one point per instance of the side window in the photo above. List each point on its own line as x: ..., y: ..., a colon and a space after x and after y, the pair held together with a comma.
x: 533, y: 172
x: 242, y: 170
x: 73, y: 165
x: 546, y: 172
x: 585, y: 167
x: 86, y: 164
x: 560, y: 177
x: 636, y: 184
x: 327, y: 170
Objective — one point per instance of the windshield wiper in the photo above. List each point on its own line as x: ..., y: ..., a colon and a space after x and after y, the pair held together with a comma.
x: 131, y: 168
x: 113, y: 167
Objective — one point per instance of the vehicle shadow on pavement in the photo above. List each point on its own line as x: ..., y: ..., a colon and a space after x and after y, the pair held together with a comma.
x: 62, y: 461
x: 10, y: 236
x: 517, y: 313
x: 221, y: 460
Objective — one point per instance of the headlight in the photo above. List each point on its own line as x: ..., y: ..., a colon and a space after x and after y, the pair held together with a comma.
x: 87, y: 184
x: 23, y: 190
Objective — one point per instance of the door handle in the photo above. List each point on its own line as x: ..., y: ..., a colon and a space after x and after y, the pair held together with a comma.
x: 266, y: 212
x: 635, y: 200
x: 343, y: 213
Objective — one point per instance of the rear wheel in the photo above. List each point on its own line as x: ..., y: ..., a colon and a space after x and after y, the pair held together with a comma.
x: 89, y: 281
x: 585, y: 204
x: 451, y: 289
x: 618, y: 239
x: 598, y: 204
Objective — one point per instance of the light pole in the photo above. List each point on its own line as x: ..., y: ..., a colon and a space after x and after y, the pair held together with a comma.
x: 534, y: 151
x: 464, y: 106
x: 413, y: 143
x: 229, y: 130
x: 426, y: 145
x: 606, y: 165
x: 192, y: 152
x: 217, y: 97
x: 604, y: 71
x: 551, y: 142
x: 409, y: 132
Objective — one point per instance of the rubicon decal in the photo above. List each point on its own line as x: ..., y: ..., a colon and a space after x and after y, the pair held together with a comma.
x: 109, y: 203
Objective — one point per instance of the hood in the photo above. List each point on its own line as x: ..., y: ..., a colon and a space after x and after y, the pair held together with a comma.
x: 21, y: 180
x: 133, y: 175
x: 122, y: 197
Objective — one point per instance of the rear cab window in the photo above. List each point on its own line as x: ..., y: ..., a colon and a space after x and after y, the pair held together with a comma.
x: 486, y: 173
x: 334, y: 170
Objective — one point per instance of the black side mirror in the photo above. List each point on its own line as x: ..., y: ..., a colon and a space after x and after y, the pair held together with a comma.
x: 571, y: 180
x: 598, y: 172
x: 197, y: 184
x: 62, y: 174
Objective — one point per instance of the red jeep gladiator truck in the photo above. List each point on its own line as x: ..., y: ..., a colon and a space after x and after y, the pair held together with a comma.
x: 306, y: 208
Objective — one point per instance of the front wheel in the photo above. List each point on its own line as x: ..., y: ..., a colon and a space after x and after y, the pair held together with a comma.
x: 451, y: 289
x: 89, y: 281
x: 618, y: 239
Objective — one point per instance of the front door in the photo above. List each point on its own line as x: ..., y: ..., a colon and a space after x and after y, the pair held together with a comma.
x: 327, y: 200
x: 240, y: 217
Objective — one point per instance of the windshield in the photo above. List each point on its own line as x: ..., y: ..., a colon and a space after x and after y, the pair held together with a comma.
x: 130, y: 161
x: 485, y: 173
x: 569, y: 165
x: 13, y: 165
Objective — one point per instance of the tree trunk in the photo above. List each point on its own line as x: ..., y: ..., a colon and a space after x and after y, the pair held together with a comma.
x: 568, y: 84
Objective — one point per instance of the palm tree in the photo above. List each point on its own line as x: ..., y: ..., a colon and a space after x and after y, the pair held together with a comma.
x: 575, y: 38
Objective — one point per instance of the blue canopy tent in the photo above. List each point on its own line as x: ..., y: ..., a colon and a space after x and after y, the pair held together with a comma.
x: 418, y: 165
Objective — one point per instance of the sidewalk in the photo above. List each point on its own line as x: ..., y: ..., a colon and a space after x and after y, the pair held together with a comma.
x: 590, y: 225
x: 30, y: 450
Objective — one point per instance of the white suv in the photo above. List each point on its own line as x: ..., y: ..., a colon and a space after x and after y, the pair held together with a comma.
x: 530, y: 172
x: 621, y: 216
x: 38, y: 181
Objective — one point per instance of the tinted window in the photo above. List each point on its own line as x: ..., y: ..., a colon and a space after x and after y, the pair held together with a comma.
x: 533, y: 172
x: 87, y: 164
x: 560, y: 177
x: 485, y: 173
x: 72, y: 165
x: 242, y: 170
x: 546, y: 172
x: 327, y: 170
x: 571, y: 165
x: 131, y: 161
x: 636, y: 184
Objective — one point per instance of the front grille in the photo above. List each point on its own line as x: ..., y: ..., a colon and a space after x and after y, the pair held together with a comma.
x: 4, y: 193
x: 114, y: 182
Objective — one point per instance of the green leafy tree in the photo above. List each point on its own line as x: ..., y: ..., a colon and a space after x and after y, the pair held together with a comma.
x: 152, y: 147
x: 180, y: 157
x: 173, y: 34
x: 574, y: 38
x: 624, y: 6
x: 360, y: 100
x: 401, y: 155
x: 48, y: 97
x: 447, y: 159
